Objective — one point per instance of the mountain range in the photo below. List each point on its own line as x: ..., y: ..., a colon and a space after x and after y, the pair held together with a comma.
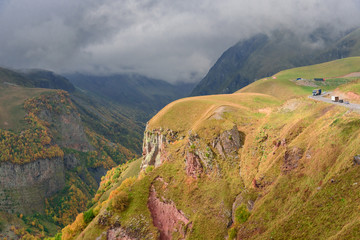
x: 266, y: 54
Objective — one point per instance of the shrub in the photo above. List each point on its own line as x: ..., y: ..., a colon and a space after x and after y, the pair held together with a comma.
x: 120, y: 201
x: 58, y: 236
x: 241, y: 214
x: 149, y: 169
x: 116, y: 176
x: 89, y: 215
x: 232, y: 233
x: 70, y: 231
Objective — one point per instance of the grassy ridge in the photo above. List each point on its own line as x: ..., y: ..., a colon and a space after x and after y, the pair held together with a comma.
x: 284, y: 88
x: 187, y: 113
x: 12, y: 100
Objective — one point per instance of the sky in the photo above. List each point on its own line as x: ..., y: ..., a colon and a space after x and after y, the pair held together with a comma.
x: 173, y: 40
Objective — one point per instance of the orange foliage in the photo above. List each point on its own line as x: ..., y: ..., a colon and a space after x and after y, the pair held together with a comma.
x: 75, y: 228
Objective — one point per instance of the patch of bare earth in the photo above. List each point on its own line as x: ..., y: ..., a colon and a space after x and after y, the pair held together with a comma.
x: 305, y: 82
x: 353, y: 96
x: 354, y: 74
x: 348, y: 96
x: 265, y: 110
x: 166, y: 217
x: 291, y: 159
x: 290, y: 105
x: 218, y: 113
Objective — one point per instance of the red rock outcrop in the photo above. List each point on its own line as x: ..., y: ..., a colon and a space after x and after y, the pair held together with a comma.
x: 118, y: 234
x: 193, y: 165
x: 166, y: 217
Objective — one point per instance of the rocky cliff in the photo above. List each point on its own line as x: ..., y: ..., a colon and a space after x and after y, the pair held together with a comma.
x: 199, y: 154
x: 23, y: 188
x: 63, y: 120
x: 154, y: 144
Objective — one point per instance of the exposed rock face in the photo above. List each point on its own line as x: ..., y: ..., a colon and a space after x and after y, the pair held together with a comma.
x: 200, y: 157
x: 154, y: 153
x: 356, y: 160
x: 291, y: 159
x: 70, y: 161
x: 193, y: 165
x: 67, y: 129
x: 23, y: 188
x: 240, y: 200
x: 118, y: 234
x: 166, y: 217
x: 229, y: 142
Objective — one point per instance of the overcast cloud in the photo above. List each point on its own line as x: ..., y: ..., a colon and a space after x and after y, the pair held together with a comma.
x: 171, y: 40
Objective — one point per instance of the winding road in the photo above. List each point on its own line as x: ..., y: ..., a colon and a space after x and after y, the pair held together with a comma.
x: 322, y: 98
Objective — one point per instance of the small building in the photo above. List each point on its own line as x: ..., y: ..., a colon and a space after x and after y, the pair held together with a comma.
x: 319, y: 79
x: 299, y: 79
x: 334, y: 98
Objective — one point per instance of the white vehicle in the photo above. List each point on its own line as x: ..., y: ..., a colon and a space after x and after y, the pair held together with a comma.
x: 334, y: 98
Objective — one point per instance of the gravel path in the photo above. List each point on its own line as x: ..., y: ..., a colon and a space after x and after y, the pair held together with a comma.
x: 322, y: 98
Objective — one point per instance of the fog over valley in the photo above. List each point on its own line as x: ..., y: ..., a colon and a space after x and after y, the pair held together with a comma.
x: 169, y: 40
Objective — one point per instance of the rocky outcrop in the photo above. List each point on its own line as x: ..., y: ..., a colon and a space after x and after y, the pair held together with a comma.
x: 229, y: 142
x: 200, y: 157
x: 166, y: 217
x: 154, y: 143
x: 23, y: 188
x: 193, y: 165
x: 70, y: 161
x: 356, y: 160
x: 240, y: 199
x: 118, y: 234
x: 291, y: 158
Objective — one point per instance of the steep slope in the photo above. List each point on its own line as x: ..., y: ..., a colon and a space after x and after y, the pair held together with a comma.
x: 139, y: 96
x: 35, y: 78
x: 264, y: 55
x: 47, y: 79
x: 247, y: 165
x: 50, y: 161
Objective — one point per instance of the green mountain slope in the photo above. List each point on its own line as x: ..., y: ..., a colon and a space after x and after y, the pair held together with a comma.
x: 36, y: 79
x: 54, y: 149
x: 263, y: 55
x: 139, y: 96
x: 263, y: 163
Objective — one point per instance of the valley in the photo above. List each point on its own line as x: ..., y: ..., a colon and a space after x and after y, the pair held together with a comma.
x: 128, y: 157
x: 180, y: 120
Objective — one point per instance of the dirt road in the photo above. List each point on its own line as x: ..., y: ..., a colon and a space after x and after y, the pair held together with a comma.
x: 322, y: 98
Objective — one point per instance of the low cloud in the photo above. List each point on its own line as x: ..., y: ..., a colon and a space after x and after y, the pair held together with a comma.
x: 170, y: 40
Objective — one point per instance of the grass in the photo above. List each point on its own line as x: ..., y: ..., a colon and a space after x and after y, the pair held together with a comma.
x: 284, y: 88
x: 195, y: 110
x: 12, y: 99
x: 351, y: 87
